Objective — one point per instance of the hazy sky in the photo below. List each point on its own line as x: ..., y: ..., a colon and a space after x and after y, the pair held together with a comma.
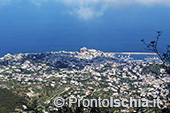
x: 89, y: 9
x: 108, y: 25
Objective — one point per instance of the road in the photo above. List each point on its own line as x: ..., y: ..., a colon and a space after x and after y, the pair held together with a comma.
x: 56, y: 94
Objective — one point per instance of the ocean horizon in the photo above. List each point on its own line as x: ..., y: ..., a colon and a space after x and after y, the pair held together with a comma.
x: 35, y: 27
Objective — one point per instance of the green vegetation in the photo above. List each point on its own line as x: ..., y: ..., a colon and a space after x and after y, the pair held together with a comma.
x: 153, y: 68
x: 8, y: 101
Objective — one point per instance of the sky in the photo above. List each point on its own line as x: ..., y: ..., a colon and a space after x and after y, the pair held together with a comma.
x: 106, y: 25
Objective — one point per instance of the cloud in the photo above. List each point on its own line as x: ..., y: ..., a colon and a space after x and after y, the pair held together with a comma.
x: 118, y: 2
x: 39, y: 2
x: 154, y: 2
x: 6, y: 2
x: 89, y: 9
x: 86, y: 9
x: 87, y: 13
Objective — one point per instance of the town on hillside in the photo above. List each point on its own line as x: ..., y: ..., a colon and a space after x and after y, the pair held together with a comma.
x: 83, y: 74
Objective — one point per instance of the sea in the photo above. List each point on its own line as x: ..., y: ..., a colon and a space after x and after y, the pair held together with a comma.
x: 27, y: 28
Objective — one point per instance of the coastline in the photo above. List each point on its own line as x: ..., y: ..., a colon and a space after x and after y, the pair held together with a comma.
x: 134, y: 53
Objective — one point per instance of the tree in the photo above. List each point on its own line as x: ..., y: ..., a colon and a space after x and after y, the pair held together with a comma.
x: 31, y: 108
x: 164, y: 57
